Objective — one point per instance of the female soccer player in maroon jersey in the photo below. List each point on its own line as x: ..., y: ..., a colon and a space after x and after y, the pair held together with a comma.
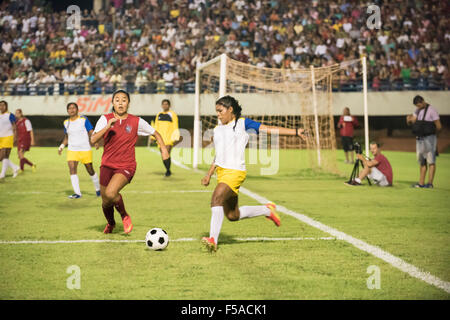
x: 120, y: 131
x: 25, y: 139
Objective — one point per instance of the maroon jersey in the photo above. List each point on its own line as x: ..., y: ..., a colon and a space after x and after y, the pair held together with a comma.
x: 23, y: 133
x: 120, y: 141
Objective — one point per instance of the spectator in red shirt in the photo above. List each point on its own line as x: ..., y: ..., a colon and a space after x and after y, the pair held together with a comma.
x: 346, y: 124
x: 379, y: 169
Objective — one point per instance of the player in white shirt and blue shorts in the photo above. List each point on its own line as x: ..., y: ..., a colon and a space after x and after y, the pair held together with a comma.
x: 230, y: 141
x: 7, y: 133
x: 77, y: 130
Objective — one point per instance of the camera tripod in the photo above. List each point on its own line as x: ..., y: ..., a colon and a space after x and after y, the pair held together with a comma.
x: 355, y: 172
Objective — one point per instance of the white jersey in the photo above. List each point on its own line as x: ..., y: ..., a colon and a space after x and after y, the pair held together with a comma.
x: 77, y: 131
x: 230, y: 144
x: 6, y: 124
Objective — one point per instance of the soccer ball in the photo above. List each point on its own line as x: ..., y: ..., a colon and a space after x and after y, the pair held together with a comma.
x: 156, y: 239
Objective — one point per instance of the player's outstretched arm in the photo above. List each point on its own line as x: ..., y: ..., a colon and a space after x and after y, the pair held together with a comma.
x: 283, y: 131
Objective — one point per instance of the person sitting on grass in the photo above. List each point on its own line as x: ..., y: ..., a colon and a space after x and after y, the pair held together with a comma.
x: 379, y: 169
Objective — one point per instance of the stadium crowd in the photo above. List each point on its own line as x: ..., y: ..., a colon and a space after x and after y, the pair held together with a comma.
x: 154, y: 45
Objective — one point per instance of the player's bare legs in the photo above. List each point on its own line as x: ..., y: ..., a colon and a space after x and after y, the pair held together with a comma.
x: 112, y: 198
x: 228, y: 199
x: 224, y: 202
x: 73, y: 165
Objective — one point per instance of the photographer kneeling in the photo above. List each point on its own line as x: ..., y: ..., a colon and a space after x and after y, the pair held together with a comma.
x: 378, y: 170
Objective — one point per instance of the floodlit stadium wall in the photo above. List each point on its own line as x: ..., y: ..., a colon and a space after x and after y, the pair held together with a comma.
x: 391, y: 103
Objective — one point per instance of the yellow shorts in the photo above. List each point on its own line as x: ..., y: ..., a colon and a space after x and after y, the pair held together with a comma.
x: 6, y: 142
x: 81, y: 156
x: 231, y: 177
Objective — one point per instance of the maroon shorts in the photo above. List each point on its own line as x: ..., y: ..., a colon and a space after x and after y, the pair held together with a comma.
x: 23, y: 145
x: 106, y: 173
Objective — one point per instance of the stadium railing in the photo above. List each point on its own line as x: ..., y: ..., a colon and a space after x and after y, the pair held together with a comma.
x: 162, y: 87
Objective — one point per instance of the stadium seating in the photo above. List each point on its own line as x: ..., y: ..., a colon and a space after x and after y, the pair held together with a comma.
x: 153, y: 46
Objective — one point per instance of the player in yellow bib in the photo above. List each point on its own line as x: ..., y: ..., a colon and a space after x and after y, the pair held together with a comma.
x: 230, y: 140
x: 166, y: 123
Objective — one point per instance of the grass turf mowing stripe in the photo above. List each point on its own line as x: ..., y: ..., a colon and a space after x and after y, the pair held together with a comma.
x: 137, y: 241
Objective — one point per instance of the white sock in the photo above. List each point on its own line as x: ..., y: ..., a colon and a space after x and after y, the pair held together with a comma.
x: 216, y: 222
x: 358, y: 180
x: 12, y: 165
x: 75, y: 183
x: 253, y: 211
x: 4, y: 167
x: 96, y: 182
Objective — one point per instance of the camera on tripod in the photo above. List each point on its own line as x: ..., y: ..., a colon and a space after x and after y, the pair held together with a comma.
x: 355, y: 172
x: 357, y: 148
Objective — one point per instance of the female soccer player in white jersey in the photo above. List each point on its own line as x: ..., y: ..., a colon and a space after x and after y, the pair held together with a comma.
x: 230, y: 140
x: 77, y: 130
x: 7, y: 133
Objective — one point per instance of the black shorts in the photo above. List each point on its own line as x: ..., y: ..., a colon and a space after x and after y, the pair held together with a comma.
x: 347, y: 143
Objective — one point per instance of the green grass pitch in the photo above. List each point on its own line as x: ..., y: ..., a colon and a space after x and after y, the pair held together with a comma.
x: 409, y: 223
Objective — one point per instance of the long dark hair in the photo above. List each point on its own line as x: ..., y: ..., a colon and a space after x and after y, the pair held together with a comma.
x: 120, y: 91
x: 229, y: 101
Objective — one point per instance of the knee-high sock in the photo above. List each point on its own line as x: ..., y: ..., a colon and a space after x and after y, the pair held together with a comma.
x: 28, y: 162
x: 75, y: 183
x: 120, y: 207
x: 216, y: 222
x: 95, y: 181
x: 167, y: 163
x: 109, y: 214
x: 12, y: 165
x: 253, y: 211
x: 4, y: 167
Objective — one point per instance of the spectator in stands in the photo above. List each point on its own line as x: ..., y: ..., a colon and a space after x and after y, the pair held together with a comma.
x: 252, y: 32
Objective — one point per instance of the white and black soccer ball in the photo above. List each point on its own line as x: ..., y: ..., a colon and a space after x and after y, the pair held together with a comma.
x: 157, y: 239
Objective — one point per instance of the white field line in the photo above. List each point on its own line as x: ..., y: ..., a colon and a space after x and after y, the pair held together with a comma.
x: 142, y: 241
x: 364, y: 246
x: 124, y: 191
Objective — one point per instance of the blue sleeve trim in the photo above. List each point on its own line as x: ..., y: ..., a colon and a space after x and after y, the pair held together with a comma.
x: 88, y: 125
x: 12, y: 118
x: 250, y: 124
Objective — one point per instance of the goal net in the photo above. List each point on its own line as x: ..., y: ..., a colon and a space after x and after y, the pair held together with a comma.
x: 289, y: 98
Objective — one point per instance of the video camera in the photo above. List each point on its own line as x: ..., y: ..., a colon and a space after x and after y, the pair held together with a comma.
x: 357, y: 148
